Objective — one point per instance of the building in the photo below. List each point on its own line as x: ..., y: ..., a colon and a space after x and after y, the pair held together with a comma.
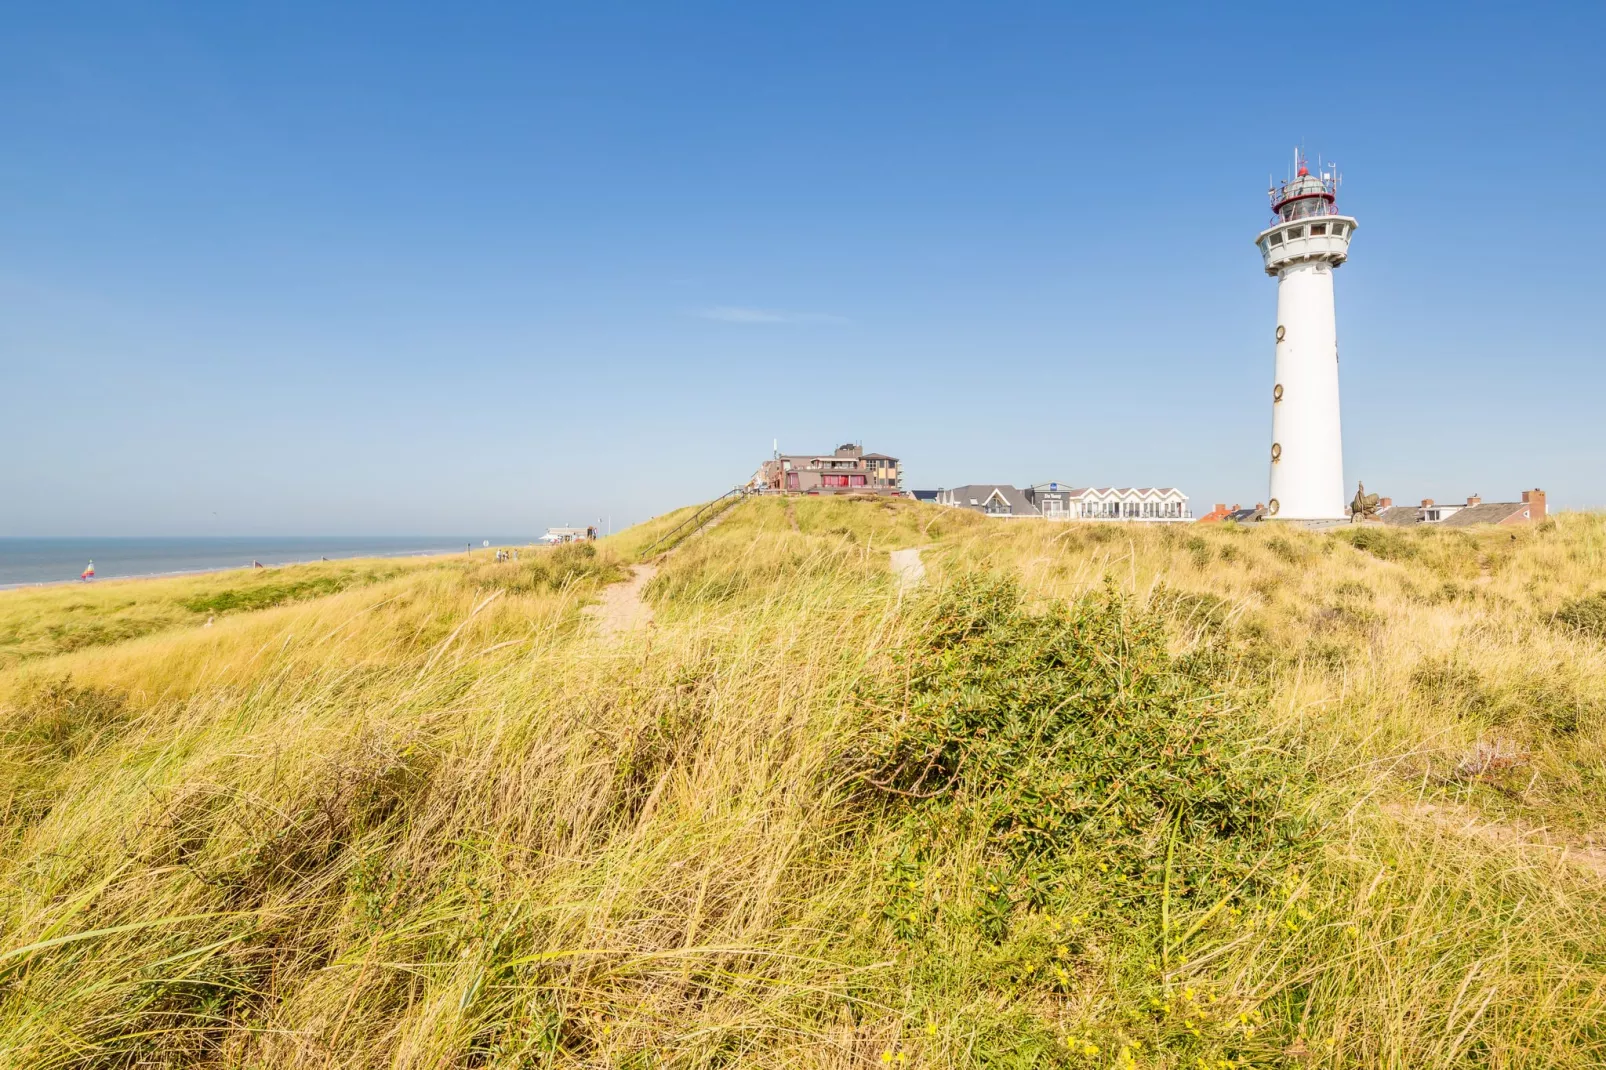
x: 569, y: 534
x: 847, y: 470
x: 1475, y: 510
x: 1057, y: 501
x: 1111, y: 503
x: 994, y: 499
x: 1305, y: 243
x: 1238, y: 514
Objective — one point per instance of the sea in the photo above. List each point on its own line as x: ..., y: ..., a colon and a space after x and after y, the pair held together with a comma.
x: 28, y: 561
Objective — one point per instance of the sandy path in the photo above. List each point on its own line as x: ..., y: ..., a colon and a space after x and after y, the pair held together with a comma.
x: 621, y: 608
x: 908, y: 567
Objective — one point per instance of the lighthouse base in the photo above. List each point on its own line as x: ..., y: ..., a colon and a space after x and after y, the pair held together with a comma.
x: 1313, y: 525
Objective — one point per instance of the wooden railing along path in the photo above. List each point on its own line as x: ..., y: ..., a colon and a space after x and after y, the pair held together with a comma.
x: 696, y: 522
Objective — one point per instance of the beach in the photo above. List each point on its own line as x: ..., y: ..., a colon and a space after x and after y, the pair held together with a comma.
x: 31, y: 561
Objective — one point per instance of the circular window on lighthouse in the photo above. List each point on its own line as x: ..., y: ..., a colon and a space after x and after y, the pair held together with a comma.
x: 1277, y: 392
x: 1281, y: 332
x: 1272, y: 507
x: 1276, y: 452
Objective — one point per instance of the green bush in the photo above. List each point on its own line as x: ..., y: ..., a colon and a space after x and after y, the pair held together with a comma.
x: 1075, y: 728
x: 60, y: 717
x: 1586, y: 616
x: 267, y: 595
x: 548, y: 569
x: 1379, y: 542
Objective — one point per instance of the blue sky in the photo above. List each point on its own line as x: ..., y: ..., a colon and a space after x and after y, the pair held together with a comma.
x: 317, y: 268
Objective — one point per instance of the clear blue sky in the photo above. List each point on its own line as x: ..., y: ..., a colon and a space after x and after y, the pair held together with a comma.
x: 345, y: 268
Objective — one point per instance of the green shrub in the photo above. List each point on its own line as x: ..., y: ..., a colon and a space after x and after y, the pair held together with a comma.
x: 548, y: 569
x: 1379, y: 542
x: 1075, y: 729
x: 61, y: 717
x: 267, y: 595
x: 1586, y: 616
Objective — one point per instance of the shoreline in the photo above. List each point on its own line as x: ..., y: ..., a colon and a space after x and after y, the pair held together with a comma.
x: 27, y: 585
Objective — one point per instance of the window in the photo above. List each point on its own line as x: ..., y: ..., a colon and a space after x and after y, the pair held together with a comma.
x: 856, y: 481
x: 1277, y: 239
x: 1338, y: 229
x: 1295, y: 232
x: 1318, y: 228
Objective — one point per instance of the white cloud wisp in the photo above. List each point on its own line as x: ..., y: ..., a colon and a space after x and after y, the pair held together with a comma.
x: 737, y: 314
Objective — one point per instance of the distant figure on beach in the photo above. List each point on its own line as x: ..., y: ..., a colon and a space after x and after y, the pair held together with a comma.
x: 88, y: 573
x: 591, y: 532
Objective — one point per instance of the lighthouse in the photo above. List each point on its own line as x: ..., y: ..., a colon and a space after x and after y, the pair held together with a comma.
x: 1305, y: 242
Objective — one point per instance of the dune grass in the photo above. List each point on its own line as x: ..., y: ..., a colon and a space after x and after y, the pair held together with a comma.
x: 1097, y: 795
x: 39, y: 621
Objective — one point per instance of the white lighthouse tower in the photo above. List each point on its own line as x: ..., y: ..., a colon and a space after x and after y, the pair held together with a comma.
x: 1306, y: 241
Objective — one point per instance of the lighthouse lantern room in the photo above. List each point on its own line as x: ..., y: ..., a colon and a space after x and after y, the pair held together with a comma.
x: 1306, y: 240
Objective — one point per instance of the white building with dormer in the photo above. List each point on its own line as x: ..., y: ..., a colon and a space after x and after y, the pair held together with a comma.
x: 1059, y: 501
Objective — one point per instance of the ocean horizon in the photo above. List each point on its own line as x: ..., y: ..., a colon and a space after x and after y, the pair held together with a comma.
x: 28, y: 560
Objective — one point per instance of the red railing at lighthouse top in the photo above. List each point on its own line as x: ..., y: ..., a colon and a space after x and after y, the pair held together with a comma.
x: 1309, y: 199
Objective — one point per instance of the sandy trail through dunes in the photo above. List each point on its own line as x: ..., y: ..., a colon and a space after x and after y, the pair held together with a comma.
x: 908, y: 567
x: 621, y: 608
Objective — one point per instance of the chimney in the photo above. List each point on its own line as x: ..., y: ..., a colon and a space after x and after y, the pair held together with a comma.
x: 1385, y: 503
x: 1426, y: 502
x: 1220, y: 508
x: 1473, y: 499
x: 1535, y: 501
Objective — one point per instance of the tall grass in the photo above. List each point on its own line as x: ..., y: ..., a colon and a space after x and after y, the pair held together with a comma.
x: 1098, y: 796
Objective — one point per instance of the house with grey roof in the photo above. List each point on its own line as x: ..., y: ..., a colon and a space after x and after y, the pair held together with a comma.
x: 1530, y: 509
x: 1061, y: 501
x: 994, y: 499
